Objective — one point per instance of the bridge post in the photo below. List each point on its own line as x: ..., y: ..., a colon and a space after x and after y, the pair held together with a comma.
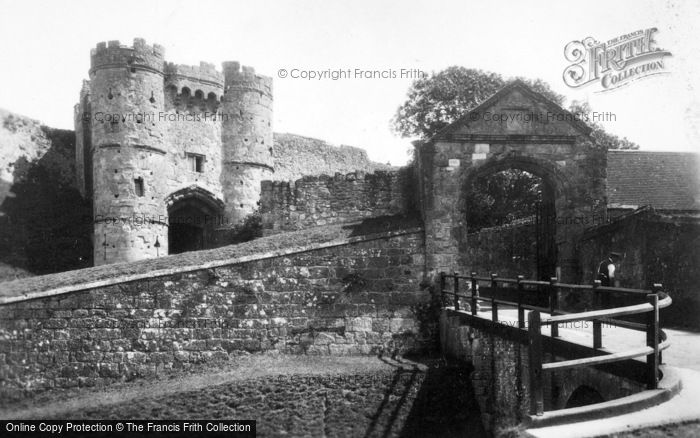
x: 475, y: 294
x: 653, y: 340
x: 535, y: 361
x: 494, y: 305
x: 656, y: 288
x: 442, y: 288
x: 521, y: 311
x: 597, y: 327
x: 456, y: 290
x: 553, y: 303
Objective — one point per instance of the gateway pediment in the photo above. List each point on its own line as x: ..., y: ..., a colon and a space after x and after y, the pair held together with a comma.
x: 516, y: 110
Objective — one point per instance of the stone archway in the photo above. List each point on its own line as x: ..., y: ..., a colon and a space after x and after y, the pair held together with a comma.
x: 541, y: 227
x: 582, y: 396
x: 193, y: 214
x: 515, y: 128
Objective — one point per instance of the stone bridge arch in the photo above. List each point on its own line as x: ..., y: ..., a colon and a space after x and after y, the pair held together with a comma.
x: 515, y: 128
x: 581, y: 386
x: 582, y: 396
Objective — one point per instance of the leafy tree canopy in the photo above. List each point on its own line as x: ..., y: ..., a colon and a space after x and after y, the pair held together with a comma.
x: 503, y: 197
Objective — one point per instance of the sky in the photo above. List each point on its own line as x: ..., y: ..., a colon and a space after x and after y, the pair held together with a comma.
x: 45, y: 54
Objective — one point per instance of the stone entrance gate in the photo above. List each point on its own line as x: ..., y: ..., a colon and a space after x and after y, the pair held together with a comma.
x: 515, y: 128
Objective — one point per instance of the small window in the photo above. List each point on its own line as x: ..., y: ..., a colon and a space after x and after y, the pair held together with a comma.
x: 195, y: 163
x: 138, y: 187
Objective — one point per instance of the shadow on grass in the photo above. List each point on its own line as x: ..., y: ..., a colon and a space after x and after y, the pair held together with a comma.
x: 443, y: 404
x: 427, y: 398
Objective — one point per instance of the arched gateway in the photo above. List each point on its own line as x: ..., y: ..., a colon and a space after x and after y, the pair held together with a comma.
x: 193, y: 215
x: 515, y: 128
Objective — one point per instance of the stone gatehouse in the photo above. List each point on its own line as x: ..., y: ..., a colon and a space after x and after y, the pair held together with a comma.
x: 515, y: 128
x: 171, y: 155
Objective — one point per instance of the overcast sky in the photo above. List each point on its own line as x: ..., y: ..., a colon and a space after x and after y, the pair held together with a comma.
x: 45, y: 53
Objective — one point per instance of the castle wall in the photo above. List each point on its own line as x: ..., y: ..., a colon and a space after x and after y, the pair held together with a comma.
x: 323, y: 200
x: 349, y: 298
x: 296, y: 156
x: 44, y: 223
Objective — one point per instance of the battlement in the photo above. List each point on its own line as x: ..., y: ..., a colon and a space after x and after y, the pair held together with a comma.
x: 204, y: 72
x: 238, y: 76
x: 141, y: 56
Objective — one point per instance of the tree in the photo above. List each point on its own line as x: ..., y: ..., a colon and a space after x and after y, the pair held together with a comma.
x: 438, y: 100
x: 501, y: 198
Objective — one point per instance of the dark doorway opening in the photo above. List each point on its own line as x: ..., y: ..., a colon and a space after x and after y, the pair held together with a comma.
x: 187, y: 230
x: 183, y: 238
x: 192, y: 218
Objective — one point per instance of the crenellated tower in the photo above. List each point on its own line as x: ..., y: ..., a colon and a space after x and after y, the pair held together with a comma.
x: 128, y: 152
x: 172, y: 155
x: 247, y: 139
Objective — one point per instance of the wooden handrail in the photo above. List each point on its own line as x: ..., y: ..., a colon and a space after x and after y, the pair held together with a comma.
x: 656, y: 339
x: 623, y: 290
x: 535, y: 283
x: 575, y: 286
x: 507, y: 280
x: 665, y: 301
x: 501, y: 302
x: 598, y: 314
x: 597, y: 360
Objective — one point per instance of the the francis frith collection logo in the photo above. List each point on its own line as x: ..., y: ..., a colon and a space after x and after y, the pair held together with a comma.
x: 614, y: 63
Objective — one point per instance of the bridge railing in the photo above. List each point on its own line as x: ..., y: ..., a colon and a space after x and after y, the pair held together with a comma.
x: 522, y: 290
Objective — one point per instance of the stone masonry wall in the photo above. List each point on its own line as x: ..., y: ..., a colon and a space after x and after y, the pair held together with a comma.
x: 351, y: 299
x: 324, y: 200
x: 501, y: 373
x: 655, y: 248
x: 296, y: 156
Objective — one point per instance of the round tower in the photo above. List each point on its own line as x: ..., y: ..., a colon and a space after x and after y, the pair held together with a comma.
x: 246, y: 139
x: 129, y: 155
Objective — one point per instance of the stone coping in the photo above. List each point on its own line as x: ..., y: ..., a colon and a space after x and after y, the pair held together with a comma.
x: 263, y: 248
